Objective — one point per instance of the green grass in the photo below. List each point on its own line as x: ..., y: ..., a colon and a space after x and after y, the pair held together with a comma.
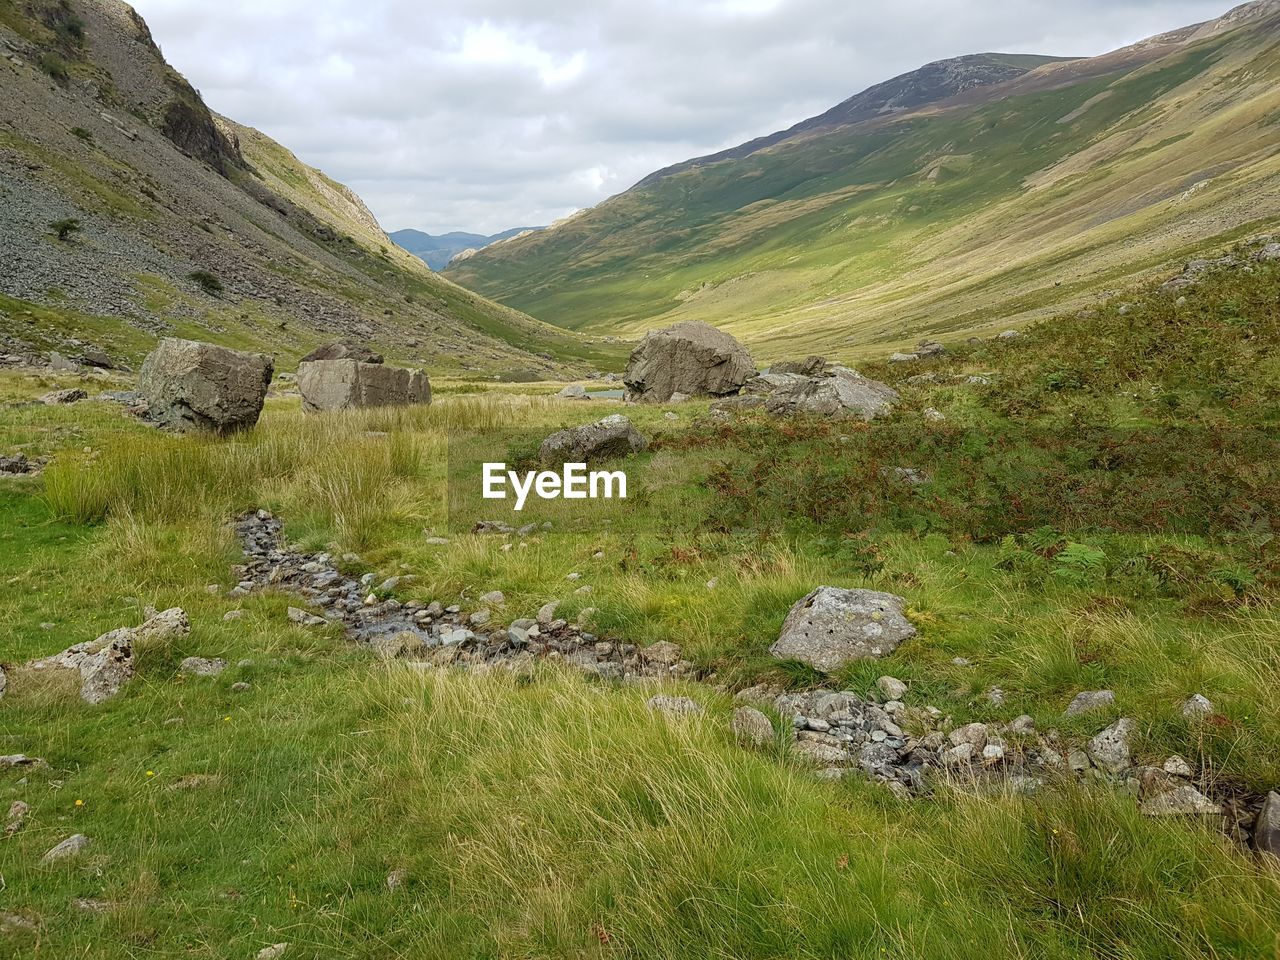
x: 543, y: 815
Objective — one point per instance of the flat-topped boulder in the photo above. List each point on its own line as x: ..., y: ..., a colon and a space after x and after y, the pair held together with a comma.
x: 832, y: 392
x: 347, y: 384
x: 690, y: 357
x: 832, y: 626
x: 193, y: 386
x: 613, y: 436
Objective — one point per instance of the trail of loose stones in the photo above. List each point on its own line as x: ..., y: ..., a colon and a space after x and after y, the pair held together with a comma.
x: 907, y: 748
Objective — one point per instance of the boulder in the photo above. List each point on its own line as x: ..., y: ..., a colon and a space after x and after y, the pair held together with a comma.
x: 838, y: 392
x: 611, y: 437
x: 97, y: 358
x: 342, y: 350
x: 105, y: 665
x: 691, y: 358
x: 575, y: 391
x: 344, y: 384
x: 199, y: 386
x: 832, y: 626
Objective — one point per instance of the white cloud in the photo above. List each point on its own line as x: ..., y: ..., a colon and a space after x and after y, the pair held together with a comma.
x: 499, y: 113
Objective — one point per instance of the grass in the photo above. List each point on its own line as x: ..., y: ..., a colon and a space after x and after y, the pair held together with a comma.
x: 542, y: 815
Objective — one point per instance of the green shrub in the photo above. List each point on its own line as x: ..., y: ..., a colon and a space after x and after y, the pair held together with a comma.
x: 63, y: 229
x: 83, y: 134
x: 55, y: 67
x: 207, y: 282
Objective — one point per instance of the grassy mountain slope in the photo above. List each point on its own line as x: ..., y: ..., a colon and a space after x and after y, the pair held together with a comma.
x: 1002, y: 204
x: 190, y: 224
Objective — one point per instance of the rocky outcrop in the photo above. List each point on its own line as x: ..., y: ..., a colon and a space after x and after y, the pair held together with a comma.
x: 611, y: 437
x: 194, y: 386
x: 831, y: 627
x: 835, y: 392
x: 348, y: 384
x: 691, y: 358
x: 342, y: 350
x: 105, y: 665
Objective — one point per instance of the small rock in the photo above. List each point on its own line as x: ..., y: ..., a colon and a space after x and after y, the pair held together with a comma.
x: 1182, y: 800
x: 273, y: 952
x: 1197, y: 706
x: 663, y: 653
x: 1178, y: 767
x: 240, y: 686
x: 891, y: 688
x: 303, y: 618
x: 1266, y: 829
x: 751, y: 727
x: 396, y: 878
x: 202, y: 666
x: 494, y: 598
x: 1089, y: 700
x: 231, y: 615
x: 674, y: 706
x: 73, y: 846
x: 1110, y: 749
x: 547, y: 613
x: 61, y: 398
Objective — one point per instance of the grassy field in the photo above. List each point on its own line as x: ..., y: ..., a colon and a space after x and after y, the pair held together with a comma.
x: 1098, y: 515
x: 856, y: 241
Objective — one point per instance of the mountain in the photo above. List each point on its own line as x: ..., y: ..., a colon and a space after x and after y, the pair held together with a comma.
x: 970, y: 195
x: 175, y: 220
x: 437, y: 251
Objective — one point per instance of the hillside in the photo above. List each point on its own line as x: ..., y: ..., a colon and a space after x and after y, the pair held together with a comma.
x: 180, y: 221
x: 437, y: 250
x: 977, y: 201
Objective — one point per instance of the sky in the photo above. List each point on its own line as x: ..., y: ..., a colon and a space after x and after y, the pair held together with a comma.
x: 482, y: 115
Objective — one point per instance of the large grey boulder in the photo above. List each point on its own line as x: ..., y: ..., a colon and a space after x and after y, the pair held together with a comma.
x: 691, y: 358
x: 835, y: 392
x: 832, y: 626
x: 611, y: 437
x: 198, y: 386
x: 345, y: 384
x: 342, y: 350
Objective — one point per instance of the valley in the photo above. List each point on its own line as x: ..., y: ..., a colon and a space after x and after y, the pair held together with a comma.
x: 926, y: 607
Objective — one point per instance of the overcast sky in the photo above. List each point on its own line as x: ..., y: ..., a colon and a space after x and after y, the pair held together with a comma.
x: 486, y: 114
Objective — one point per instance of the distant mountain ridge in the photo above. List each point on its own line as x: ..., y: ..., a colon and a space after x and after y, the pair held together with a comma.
x: 932, y: 83
x: 436, y: 250
x: 967, y: 196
